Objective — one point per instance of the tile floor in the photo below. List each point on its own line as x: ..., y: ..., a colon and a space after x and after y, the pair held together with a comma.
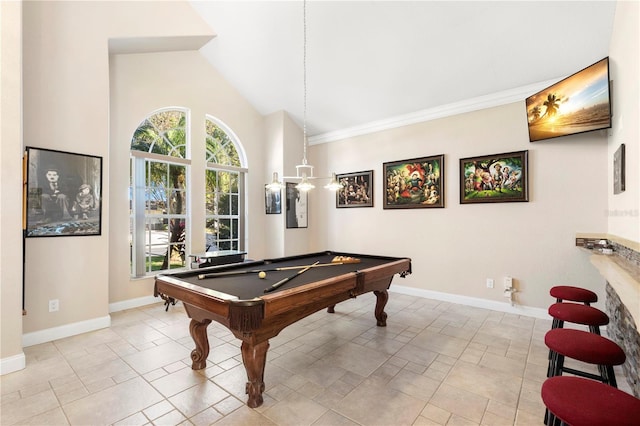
x: 435, y: 363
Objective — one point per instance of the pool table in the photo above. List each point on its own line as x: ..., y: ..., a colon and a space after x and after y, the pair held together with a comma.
x: 256, y: 309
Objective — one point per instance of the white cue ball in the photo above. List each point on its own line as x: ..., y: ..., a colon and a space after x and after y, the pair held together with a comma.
x: 262, y: 274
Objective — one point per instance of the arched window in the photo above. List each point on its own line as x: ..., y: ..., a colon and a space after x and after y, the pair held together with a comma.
x: 159, y: 193
x: 224, y: 188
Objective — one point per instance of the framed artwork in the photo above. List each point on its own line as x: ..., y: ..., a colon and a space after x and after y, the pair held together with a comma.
x: 272, y: 201
x: 356, y: 191
x: 618, y: 170
x: 296, y: 207
x: 415, y: 183
x: 497, y: 178
x: 63, y: 192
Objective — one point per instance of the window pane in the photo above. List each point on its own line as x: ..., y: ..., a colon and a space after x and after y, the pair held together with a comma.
x: 178, y: 203
x: 211, y: 180
x: 158, y: 188
x: 225, y: 229
x: 144, y: 137
x: 234, y: 204
x: 233, y: 182
x: 220, y: 148
x: 166, y: 120
x: 234, y: 229
x: 156, y: 174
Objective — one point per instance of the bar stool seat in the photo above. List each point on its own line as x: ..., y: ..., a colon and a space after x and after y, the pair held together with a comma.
x: 586, y: 347
x: 578, y: 314
x: 580, y: 402
x: 573, y: 294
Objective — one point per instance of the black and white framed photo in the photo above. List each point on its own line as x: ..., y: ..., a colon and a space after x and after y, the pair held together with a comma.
x: 296, y: 207
x: 63, y: 193
x: 618, y: 170
x: 272, y: 201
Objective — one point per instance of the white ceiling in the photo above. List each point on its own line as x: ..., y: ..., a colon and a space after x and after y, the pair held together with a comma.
x: 369, y: 61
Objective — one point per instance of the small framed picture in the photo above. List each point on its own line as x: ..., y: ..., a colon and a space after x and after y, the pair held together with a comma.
x: 272, y: 201
x: 415, y: 183
x: 496, y: 178
x: 356, y: 191
x: 618, y: 170
x: 296, y: 207
x: 63, y: 192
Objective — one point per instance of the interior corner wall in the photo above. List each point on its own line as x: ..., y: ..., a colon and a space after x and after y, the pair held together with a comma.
x: 197, y: 86
x: 296, y: 240
x: 456, y: 248
x: 623, y: 210
x: 11, y: 355
x: 274, y: 160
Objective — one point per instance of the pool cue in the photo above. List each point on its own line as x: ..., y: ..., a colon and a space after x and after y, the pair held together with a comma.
x: 286, y: 280
x: 257, y: 271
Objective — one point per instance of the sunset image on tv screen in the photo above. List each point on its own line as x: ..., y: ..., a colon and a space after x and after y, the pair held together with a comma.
x: 577, y: 104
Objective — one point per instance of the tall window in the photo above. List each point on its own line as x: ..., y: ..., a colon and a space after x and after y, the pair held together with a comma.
x: 224, y: 189
x: 159, y: 193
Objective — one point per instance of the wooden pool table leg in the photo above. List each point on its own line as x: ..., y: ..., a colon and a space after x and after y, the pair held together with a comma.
x: 381, y: 301
x: 198, y: 331
x: 254, y: 358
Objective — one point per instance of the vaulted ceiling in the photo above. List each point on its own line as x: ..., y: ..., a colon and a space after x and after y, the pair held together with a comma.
x: 370, y: 61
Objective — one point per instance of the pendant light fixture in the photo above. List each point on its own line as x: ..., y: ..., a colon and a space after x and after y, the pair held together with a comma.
x: 304, y: 171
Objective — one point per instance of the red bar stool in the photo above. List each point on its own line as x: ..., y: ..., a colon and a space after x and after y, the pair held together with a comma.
x: 573, y: 294
x: 578, y: 314
x: 583, y: 402
x: 583, y: 346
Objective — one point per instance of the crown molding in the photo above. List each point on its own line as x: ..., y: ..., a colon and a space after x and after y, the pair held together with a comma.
x: 455, y: 108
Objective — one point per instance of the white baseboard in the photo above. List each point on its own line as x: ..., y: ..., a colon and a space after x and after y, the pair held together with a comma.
x: 12, y: 363
x: 473, y: 301
x: 68, y: 330
x: 133, y: 303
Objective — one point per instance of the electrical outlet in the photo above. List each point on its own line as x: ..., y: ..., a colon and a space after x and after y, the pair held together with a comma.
x: 54, y: 305
x: 489, y: 282
x: 508, y: 282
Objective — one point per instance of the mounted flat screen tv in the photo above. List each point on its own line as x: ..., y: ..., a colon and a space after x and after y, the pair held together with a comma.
x: 579, y: 103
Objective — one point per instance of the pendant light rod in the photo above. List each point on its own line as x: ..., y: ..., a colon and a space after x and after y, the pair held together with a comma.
x: 304, y: 171
x: 304, y: 82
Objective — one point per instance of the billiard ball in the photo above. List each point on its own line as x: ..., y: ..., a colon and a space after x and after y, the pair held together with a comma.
x: 262, y: 274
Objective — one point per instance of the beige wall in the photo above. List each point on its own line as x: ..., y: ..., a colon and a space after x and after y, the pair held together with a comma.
x: 11, y: 356
x: 180, y: 79
x: 455, y: 249
x: 273, y: 162
x: 66, y: 107
x: 624, y: 209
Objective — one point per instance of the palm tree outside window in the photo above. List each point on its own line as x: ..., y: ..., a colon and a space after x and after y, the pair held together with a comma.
x: 159, y: 193
x: 224, y: 188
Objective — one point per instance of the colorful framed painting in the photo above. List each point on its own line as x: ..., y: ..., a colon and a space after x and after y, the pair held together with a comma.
x: 415, y: 183
x: 296, y: 206
x: 356, y: 191
x: 497, y: 178
x: 63, y: 194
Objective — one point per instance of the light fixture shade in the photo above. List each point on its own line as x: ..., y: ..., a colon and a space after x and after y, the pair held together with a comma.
x: 304, y: 184
x: 275, y: 184
x: 334, y: 185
